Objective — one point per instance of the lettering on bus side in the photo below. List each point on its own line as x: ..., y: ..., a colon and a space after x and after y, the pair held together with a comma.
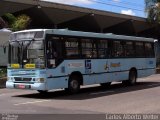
x: 115, y: 64
x: 75, y: 65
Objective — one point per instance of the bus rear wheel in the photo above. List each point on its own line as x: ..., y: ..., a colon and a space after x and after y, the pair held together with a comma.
x: 73, y: 84
x: 132, y: 78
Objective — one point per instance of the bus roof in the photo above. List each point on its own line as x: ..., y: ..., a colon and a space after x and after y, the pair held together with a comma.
x: 66, y: 32
x: 30, y: 30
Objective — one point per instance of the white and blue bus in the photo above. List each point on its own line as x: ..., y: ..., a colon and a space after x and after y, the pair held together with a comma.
x: 46, y: 59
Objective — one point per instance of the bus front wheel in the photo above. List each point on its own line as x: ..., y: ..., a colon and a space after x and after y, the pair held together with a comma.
x: 105, y: 85
x: 42, y: 91
x: 73, y: 84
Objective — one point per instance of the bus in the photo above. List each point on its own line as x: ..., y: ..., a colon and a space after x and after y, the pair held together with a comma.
x: 47, y: 59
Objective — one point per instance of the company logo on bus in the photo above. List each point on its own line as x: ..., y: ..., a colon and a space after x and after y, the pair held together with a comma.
x: 150, y: 62
x: 115, y: 64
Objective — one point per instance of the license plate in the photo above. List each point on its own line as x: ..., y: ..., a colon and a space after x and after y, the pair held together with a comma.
x: 21, y: 86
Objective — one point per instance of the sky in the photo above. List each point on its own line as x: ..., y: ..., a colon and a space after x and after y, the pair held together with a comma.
x: 129, y: 7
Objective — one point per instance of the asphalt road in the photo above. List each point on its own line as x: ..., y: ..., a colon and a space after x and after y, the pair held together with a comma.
x: 143, y: 98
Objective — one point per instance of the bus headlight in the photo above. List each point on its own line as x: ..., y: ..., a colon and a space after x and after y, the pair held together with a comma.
x: 40, y: 80
x: 11, y: 79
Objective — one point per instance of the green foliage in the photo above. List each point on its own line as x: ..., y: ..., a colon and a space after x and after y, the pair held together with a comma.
x: 20, y: 22
x: 153, y: 10
x: 10, y: 18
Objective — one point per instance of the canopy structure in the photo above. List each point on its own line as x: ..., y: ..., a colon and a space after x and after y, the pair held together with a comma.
x: 52, y: 15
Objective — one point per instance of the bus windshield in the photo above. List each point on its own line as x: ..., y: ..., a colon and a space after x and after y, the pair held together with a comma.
x: 27, y: 52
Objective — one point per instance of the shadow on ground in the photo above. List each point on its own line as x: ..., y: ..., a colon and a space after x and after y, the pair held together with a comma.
x: 92, y: 92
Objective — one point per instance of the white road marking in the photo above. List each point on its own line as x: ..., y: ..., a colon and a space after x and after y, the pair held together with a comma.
x: 32, y: 102
x: 101, y: 92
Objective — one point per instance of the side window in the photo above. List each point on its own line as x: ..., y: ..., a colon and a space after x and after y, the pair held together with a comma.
x: 129, y: 49
x: 102, y: 49
x: 94, y: 49
x: 88, y: 48
x: 139, y: 49
x: 117, y: 49
x: 72, y: 48
x: 149, y: 49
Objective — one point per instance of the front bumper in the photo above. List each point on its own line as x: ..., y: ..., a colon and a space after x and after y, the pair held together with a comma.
x: 33, y: 86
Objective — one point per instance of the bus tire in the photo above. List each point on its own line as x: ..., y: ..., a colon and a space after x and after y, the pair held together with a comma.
x: 105, y: 85
x: 132, y: 80
x: 73, y: 84
x: 43, y: 91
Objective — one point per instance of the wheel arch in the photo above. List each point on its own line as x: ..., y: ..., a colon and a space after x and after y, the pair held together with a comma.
x: 134, y: 69
x: 79, y: 74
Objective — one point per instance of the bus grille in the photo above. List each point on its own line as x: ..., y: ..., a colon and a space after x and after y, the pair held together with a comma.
x: 23, y: 79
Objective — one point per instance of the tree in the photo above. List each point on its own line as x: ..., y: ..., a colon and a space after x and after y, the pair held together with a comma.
x: 20, y: 22
x: 9, y: 19
x: 153, y: 10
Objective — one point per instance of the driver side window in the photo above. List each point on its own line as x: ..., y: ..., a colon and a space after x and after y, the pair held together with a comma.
x: 54, y: 51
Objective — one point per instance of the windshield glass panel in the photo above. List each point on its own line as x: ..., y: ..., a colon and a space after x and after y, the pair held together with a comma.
x: 27, y: 35
x: 27, y: 52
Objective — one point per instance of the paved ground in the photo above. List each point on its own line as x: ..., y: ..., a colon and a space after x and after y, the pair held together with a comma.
x: 142, y: 98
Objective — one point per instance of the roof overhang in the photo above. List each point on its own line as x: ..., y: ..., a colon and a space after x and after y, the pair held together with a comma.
x: 54, y: 15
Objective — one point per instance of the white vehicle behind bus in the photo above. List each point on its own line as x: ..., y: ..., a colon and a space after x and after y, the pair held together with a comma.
x: 4, y: 37
x: 46, y: 59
